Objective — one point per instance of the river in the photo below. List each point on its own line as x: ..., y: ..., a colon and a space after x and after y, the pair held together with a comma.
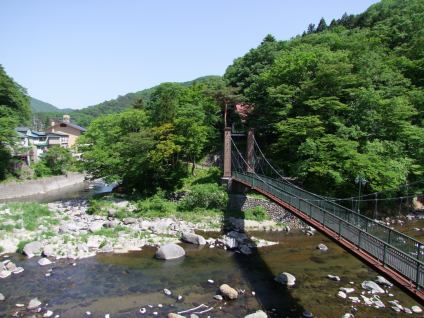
x: 122, y: 284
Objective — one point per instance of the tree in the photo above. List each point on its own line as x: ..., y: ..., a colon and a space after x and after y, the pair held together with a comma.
x: 311, y: 28
x: 164, y: 103
x: 14, y: 110
x: 139, y: 103
x: 57, y: 159
x: 322, y: 25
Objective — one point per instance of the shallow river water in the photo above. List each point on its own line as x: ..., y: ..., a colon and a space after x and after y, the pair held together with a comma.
x: 120, y: 285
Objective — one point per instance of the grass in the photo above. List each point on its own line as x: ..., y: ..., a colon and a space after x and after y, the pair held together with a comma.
x: 111, y: 233
x: 258, y: 213
x: 32, y: 214
x: 21, y: 245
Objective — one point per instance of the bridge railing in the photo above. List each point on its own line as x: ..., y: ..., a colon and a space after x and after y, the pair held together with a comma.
x: 388, y: 246
x: 403, y: 242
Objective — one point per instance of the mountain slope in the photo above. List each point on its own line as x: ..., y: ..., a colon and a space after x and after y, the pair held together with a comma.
x: 84, y: 116
x: 38, y: 106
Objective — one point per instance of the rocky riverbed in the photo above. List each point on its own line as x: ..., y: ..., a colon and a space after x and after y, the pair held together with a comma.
x: 224, y: 272
x: 70, y: 232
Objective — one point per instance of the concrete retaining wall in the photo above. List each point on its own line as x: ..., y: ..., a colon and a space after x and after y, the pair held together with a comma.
x: 13, y: 190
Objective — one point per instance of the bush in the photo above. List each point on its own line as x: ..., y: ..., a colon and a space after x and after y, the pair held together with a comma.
x: 41, y: 170
x: 58, y: 160
x: 204, y: 196
x: 156, y: 206
x: 257, y: 213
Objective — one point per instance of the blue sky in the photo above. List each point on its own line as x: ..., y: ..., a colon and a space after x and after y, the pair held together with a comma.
x: 81, y: 52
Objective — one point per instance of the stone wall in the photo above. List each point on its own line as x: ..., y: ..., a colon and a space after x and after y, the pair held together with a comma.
x: 241, y: 203
x: 12, y: 190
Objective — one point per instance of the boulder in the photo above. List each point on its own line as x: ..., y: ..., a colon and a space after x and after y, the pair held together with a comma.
x: 111, y: 224
x: 44, y: 261
x: 246, y: 250
x: 48, y: 250
x: 334, y: 277
x: 286, y: 279
x: 170, y: 251
x: 218, y: 297
x: 341, y: 294
x: 416, y: 309
x: 95, y: 226
x: 193, y: 238
x: 129, y: 221
x: 10, y: 266
x: 228, y: 291
x: 111, y: 212
x: 258, y: 314
x: 322, y: 247
x: 34, y: 303
x: 347, y: 290
x: 383, y: 281
x: 372, y: 286
x: 33, y: 248
x: 2, y: 298
x: 5, y: 273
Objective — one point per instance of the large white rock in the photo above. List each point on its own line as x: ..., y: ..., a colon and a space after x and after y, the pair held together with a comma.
x: 322, y: 247
x: 383, y: 281
x: 372, y: 286
x: 341, y: 294
x: 34, y: 303
x: 170, y: 251
x: 48, y: 250
x: 258, y: 314
x: 5, y: 273
x: 416, y: 309
x: 44, y: 261
x: 193, y: 238
x: 228, y: 291
x: 286, y: 279
x: 33, y: 248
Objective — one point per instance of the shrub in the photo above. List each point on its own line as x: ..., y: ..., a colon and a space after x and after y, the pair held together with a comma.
x: 41, y: 170
x: 58, y: 160
x: 257, y: 213
x: 204, y: 196
x: 156, y: 206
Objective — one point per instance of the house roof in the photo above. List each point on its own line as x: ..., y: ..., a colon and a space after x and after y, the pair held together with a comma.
x: 82, y: 129
x: 56, y: 134
x: 22, y: 129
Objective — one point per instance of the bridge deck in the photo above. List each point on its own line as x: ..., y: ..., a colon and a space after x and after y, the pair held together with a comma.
x: 392, y: 253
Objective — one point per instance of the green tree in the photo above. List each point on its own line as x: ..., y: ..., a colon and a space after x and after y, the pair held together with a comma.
x: 58, y: 160
x: 14, y: 110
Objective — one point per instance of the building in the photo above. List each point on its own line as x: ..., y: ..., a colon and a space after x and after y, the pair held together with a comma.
x: 34, y: 143
x: 67, y: 128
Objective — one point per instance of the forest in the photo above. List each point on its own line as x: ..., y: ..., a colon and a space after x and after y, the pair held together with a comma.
x: 342, y: 101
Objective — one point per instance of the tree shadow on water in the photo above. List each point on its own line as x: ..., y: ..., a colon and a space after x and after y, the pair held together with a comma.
x: 275, y: 299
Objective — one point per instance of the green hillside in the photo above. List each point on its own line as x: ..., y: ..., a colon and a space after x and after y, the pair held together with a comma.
x: 343, y: 100
x: 38, y: 106
x: 85, y: 115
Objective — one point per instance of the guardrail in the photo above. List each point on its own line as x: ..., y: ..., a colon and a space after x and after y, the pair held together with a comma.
x: 392, y: 248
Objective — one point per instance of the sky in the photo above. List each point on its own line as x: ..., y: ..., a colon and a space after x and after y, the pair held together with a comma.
x: 77, y: 53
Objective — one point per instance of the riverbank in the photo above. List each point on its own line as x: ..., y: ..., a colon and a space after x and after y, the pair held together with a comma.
x: 15, y: 190
x: 69, y: 229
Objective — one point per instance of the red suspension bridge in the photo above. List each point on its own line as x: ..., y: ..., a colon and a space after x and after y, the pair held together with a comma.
x: 394, y: 254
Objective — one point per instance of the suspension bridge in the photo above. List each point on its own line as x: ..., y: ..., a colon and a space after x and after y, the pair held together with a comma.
x: 394, y: 254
